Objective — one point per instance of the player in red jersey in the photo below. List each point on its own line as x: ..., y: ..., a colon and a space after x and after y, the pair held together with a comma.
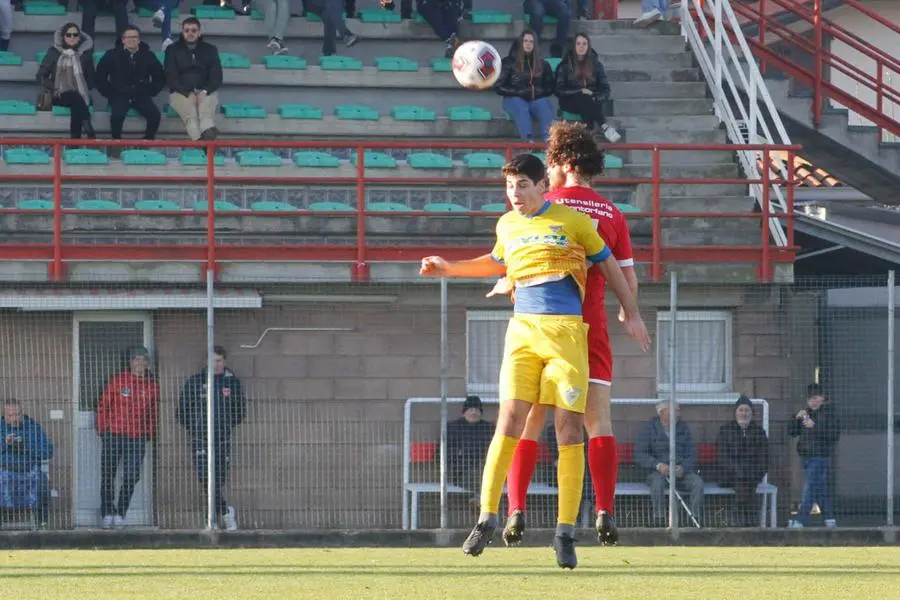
x: 573, y: 159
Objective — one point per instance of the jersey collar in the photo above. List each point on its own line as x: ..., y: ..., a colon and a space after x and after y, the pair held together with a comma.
x: 541, y: 210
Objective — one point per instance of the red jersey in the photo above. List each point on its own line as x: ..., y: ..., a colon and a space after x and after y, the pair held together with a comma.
x: 129, y: 406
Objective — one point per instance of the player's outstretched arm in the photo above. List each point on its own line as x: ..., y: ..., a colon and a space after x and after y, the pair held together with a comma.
x: 633, y: 323
x: 483, y: 266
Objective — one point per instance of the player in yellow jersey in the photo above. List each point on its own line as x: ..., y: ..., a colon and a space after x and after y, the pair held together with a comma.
x: 543, y: 249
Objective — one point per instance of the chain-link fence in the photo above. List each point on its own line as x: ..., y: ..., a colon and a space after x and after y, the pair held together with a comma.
x: 326, y: 404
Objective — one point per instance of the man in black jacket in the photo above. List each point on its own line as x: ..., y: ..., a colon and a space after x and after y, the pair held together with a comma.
x: 129, y: 76
x: 229, y: 410
x: 194, y: 76
x: 818, y: 430
x: 468, y: 439
x: 742, y: 456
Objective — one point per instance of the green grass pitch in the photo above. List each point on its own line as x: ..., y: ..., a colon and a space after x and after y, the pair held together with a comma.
x: 658, y: 573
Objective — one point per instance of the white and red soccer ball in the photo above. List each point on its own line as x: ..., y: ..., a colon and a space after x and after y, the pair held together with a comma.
x: 476, y: 65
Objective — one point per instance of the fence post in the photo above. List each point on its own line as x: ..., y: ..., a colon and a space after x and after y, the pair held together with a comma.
x: 673, y: 400
x: 211, y: 507
x: 890, y: 401
x: 443, y: 389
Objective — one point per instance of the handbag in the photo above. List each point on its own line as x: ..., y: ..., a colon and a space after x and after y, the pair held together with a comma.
x: 45, y: 100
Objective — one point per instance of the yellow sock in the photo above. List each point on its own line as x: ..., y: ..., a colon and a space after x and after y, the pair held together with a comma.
x: 496, y: 464
x: 570, y: 477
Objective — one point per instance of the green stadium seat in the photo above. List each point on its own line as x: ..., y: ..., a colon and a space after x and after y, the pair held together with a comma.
x: 554, y: 62
x: 428, y: 160
x: 213, y: 12
x: 491, y: 17
x: 98, y: 205
x: 315, y: 18
x: 378, y: 15
x: 413, y: 113
x: 494, y: 207
x: 484, y: 160
x: 161, y: 57
x: 232, y: 60
x: 143, y: 156
x: 168, y: 111
x: 627, y: 208
x: 258, y: 158
x: 26, y: 156
x: 157, y: 205
x: 331, y: 206
x: 567, y: 116
x: 84, y: 156
x: 417, y: 18
x: 285, y: 62
x: 387, y: 207
x: 10, y: 59
x: 220, y: 206
x: 355, y: 112
x: 541, y: 155
x: 98, y: 56
x: 270, y: 206
x: 195, y: 157
x: 445, y: 207
x: 148, y: 12
x: 396, y: 63
x: 243, y: 111
x: 65, y: 111
x: 34, y: 9
x: 375, y: 160
x: 548, y: 20
x: 340, y: 63
x: 17, y: 107
x: 468, y: 113
x: 613, y: 162
x: 39, y: 57
x: 441, y: 65
x: 131, y: 112
x: 310, y: 158
x: 299, y: 111
x: 257, y: 15
x: 34, y: 204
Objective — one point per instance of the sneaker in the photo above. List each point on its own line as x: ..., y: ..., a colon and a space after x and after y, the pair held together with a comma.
x: 480, y: 537
x: 795, y: 525
x: 209, y: 134
x: 452, y: 44
x: 515, y: 529
x: 611, y: 135
x: 230, y: 519
x: 350, y: 39
x: 166, y: 43
x: 565, y: 551
x: 648, y: 18
x: 277, y: 46
x: 830, y: 523
x: 118, y: 522
x: 607, y: 532
x: 108, y: 521
x: 157, y: 19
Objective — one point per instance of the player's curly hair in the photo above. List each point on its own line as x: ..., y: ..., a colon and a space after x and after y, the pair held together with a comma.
x: 572, y: 144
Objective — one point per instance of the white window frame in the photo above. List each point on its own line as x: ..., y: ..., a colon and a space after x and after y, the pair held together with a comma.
x: 482, y: 315
x: 696, y: 315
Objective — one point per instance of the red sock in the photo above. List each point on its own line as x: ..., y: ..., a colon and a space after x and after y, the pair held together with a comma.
x: 603, y: 460
x: 519, y: 475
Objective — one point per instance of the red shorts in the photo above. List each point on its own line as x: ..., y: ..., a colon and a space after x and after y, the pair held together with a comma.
x: 599, y: 349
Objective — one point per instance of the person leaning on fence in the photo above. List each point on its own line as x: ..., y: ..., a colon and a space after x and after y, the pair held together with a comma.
x: 468, y: 439
x: 742, y: 457
x: 229, y: 410
x: 651, y: 451
x: 818, y: 429
x: 23, y: 447
x: 194, y: 76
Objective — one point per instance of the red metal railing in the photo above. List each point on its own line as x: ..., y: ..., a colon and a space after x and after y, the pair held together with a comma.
x: 869, y: 80
x: 361, y: 253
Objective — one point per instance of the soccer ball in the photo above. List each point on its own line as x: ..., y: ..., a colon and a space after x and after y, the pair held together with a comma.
x: 476, y: 65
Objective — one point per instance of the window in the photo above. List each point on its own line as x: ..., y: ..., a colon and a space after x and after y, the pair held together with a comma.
x: 703, y: 351
x: 485, y: 330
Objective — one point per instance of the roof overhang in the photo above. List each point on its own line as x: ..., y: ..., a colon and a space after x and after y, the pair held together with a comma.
x: 38, y: 299
x: 854, y: 238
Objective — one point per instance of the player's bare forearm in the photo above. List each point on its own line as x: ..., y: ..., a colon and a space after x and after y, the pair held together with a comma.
x: 631, y: 278
x: 619, y: 285
x: 483, y: 266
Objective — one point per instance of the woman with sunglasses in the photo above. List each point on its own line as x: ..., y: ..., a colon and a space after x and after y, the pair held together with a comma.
x: 67, y: 71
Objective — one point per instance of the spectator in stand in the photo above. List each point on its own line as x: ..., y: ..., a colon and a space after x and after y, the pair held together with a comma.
x: 126, y: 420
x: 651, y: 451
x: 90, y: 8
x: 557, y: 8
x: 130, y: 76
x: 278, y: 15
x: 6, y: 24
x: 526, y: 83
x: 229, y: 410
x: 162, y: 19
x: 742, y: 454
x: 468, y: 439
x: 23, y: 447
x: 443, y: 18
x: 582, y: 88
x: 818, y: 430
x: 335, y: 27
x: 194, y: 76
x: 67, y: 73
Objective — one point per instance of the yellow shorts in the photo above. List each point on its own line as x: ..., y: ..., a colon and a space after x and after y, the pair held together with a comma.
x: 545, y: 361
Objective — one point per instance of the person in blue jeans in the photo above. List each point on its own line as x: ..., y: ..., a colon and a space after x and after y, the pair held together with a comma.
x: 526, y: 85
x: 656, y: 10
x: 555, y: 8
x: 162, y: 18
x: 818, y: 430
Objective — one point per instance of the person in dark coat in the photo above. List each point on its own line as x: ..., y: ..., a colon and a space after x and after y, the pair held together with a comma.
x: 67, y: 72
x: 742, y: 456
x: 129, y: 76
x: 194, y: 76
x: 526, y: 84
x: 582, y: 87
x: 468, y: 439
x: 818, y: 430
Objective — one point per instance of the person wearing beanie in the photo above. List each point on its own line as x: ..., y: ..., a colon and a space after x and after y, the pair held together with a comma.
x: 127, y: 415
x: 742, y: 457
x: 468, y: 439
